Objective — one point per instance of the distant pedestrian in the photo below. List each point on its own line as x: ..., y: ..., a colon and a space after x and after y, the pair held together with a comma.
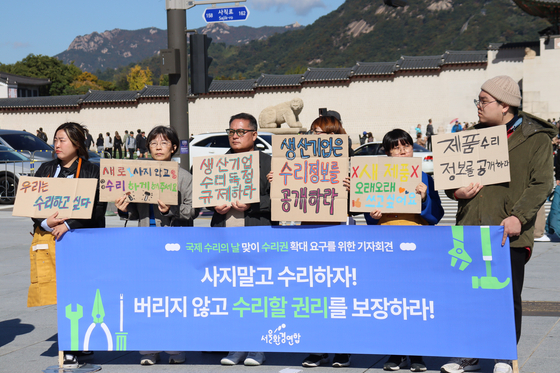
x: 117, y: 145
x: 363, y: 137
x: 100, y: 143
x: 108, y: 144
x: 456, y: 127
x: 124, y: 140
x: 42, y: 135
x: 141, y: 144
x: 429, y: 134
x: 131, y: 145
x: 89, y: 140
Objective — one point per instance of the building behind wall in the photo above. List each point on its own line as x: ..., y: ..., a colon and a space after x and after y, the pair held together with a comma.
x: 372, y: 97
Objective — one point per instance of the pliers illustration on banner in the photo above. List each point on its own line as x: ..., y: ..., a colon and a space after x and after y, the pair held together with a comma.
x: 98, y: 313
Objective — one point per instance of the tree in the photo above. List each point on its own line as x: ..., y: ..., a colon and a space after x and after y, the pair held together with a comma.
x: 38, y: 66
x: 138, y: 78
x: 164, y: 80
x: 86, y: 81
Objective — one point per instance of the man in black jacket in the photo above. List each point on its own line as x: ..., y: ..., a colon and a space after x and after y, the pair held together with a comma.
x: 242, y: 135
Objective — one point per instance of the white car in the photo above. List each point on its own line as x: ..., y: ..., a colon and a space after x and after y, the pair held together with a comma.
x: 216, y: 143
x: 376, y: 148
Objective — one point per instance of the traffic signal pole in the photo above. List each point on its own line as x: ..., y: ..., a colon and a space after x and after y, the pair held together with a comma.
x: 178, y: 83
x: 179, y: 78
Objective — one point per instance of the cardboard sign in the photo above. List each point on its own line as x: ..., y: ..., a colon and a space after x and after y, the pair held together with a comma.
x: 385, y: 183
x: 285, y: 289
x: 473, y: 156
x: 222, y: 179
x: 308, y: 173
x: 141, y: 181
x: 40, y: 197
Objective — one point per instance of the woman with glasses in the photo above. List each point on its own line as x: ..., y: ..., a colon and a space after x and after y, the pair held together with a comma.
x: 163, y: 142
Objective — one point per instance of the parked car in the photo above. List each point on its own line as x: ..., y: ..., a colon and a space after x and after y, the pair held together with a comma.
x: 33, y: 147
x: 376, y: 148
x: 13, y: 165
x: 216, y: 143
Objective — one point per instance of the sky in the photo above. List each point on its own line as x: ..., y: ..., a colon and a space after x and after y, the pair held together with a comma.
x: 48, y: 27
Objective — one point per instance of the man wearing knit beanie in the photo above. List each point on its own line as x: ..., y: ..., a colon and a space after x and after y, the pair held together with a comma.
x: 513, y: 205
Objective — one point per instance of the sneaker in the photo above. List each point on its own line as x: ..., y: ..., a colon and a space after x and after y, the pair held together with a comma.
x: 177, y: 358
x: 149, y: 359
x: 544, y: 238
x: 417, y: 364
x: 460, y: 365
x: 314, y: 360
x: 70, y: 361
x: 254, y: 359
x: 503, y: 366
x: 233, y: 358
x: 341, y: 360
x: 395, y: 362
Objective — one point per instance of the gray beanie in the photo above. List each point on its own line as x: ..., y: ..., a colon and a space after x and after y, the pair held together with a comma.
x: 503, y: 88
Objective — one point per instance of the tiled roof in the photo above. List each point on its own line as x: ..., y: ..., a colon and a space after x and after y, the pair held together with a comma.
x: 24, y: 80
x: 111, y: 96
x: 232, y: 85
x: 42, y: 101
x: 325, y: 75
x: 155, y: 91
x: 419, y: 63
x: 522, y: 45
x: 266, y: 80
x: 373, y: 68
x: 460, y: 57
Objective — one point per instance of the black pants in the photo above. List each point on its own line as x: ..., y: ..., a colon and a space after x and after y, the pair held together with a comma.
x: 518, y: 259
x: 131, y: 152
x: 117, y: 149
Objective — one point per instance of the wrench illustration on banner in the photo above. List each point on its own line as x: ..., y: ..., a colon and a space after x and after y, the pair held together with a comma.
x: 98, y: 313
x: 74, y: 317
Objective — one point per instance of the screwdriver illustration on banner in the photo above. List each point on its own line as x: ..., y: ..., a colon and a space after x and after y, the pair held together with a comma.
x: 121, y: 336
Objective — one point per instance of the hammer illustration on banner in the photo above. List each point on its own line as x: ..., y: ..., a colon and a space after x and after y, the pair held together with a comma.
x: 488, y: 281
x: 98, y: 313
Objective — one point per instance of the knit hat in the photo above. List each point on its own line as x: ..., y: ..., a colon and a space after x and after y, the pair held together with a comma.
x: 503, y: 88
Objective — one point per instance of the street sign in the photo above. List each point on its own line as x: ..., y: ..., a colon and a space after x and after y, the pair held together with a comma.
x: 235, y: 13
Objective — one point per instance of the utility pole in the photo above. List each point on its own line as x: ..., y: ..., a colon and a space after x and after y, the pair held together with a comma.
x: 174, y: 63
x: 178, y: 81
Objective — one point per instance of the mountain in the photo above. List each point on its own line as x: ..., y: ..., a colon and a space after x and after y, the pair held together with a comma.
x: 370, y: 31
x: 111, y: 49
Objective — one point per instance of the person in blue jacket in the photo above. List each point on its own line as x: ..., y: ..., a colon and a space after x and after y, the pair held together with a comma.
x: 398, y: 143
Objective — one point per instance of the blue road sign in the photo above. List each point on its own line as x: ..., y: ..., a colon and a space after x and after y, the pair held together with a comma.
x: 235, y: 13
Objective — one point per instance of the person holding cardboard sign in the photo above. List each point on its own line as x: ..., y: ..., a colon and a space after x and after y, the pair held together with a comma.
x: 398, y: 143
x: 71, y: 162
x: 242, y: 133
x: 163, y: 142
x: 513, y: 205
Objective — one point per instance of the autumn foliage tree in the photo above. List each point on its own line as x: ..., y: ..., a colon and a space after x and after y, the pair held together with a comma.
x: 138, y: 78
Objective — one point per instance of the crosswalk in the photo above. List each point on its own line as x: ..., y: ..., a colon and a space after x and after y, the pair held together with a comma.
x: 449, y: 207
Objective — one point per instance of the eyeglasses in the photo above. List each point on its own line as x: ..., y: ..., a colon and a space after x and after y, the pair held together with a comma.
x: 163, y: 144
x: 240, y: 132
x: 316, y: 132
x: 482, y: 104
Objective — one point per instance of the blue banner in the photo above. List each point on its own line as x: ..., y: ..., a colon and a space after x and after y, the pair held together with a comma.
x: 430, y: 291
